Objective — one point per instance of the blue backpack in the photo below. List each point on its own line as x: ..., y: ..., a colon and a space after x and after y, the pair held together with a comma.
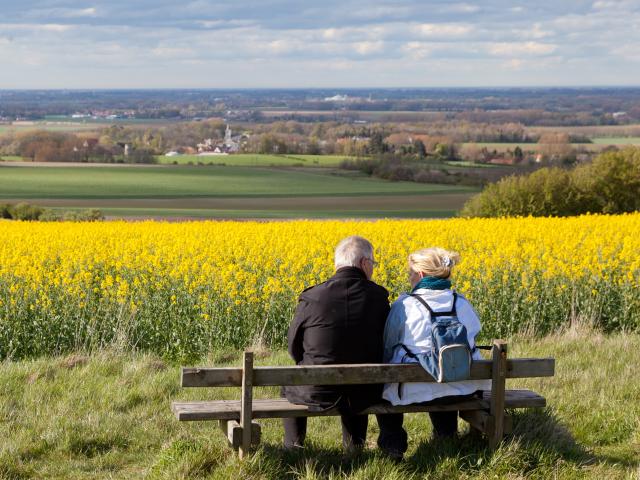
x: 449, y: 359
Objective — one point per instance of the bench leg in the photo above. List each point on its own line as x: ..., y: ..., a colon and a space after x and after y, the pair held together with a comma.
x: 246, y: 404
x: 483, y: 422
x: 498, y: 380
x: 233, y: 432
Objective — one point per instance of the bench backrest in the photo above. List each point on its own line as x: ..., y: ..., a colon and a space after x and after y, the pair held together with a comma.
x: 498, y: 369
x: 354, y: 374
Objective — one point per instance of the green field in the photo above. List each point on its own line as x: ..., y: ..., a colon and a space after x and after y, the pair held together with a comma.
x: 532, y: 147
x: 270, y: 213
x: 176, y: 182
x: 255, y: 160
x: 599, y: 143
x: 226, y: 192
x: 106, y: 416
x: 52, y: 127
x: 616, y: 140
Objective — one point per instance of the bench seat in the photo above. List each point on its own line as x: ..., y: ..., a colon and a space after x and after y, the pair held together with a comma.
x: 485, y: 414
x: 282, y: 408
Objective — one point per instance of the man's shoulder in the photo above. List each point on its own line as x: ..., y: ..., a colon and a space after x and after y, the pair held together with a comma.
x: 314, y: 292
x: 378, y: 288
x: 321, y: 290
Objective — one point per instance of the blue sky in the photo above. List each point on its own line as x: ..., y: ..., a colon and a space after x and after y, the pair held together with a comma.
x: 334, y: 43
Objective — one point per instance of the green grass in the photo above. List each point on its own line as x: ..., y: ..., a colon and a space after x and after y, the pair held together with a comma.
x: 269, y: 213
x: 259, y: 160
x: 465, y: 164
x: 52, y: 127
x: 107, y: 416
x: 598, y: 144
x: 10, y: 158
x: 528, y: 147
x: 181, y: 182
x: 616, y: 140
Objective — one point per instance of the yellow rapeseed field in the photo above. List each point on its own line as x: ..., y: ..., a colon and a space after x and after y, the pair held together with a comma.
x: 182, y: 289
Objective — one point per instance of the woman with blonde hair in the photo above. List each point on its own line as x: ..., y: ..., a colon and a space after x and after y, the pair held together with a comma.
x: 408, y: 334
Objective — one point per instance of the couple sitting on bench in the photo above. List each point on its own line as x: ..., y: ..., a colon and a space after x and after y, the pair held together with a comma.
x: 348, y: 320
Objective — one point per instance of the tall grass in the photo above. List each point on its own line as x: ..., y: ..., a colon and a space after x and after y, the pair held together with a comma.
x: 107, y: 416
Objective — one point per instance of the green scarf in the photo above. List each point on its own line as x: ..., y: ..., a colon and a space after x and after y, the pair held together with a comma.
x: 433, y: 283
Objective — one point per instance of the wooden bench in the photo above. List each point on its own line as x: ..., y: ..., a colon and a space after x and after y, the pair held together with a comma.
x: 236, y: 417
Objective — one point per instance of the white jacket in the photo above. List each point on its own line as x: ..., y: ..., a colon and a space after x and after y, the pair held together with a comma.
x: 409, y: 323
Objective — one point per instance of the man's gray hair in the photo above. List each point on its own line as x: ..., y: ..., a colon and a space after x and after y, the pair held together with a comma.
x: 351, y: 250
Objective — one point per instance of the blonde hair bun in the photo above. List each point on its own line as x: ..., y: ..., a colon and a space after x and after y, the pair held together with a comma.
x: 434, y: 262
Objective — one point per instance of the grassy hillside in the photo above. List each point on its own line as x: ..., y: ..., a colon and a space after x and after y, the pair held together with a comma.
x: 226, y: 192
x: 175, y: 182
x: 256, y: 160
x: 108, y: 416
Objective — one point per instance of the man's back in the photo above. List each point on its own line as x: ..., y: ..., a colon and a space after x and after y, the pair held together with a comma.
x: 339, y: 321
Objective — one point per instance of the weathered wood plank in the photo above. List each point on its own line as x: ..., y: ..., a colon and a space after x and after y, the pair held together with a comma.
x: 281, y: 408
x: 478, y: 419
x: 483, y: 422
x: 233, y: 432
x: 497, y: 402
x: 354, y: 374
x: 247, y: 405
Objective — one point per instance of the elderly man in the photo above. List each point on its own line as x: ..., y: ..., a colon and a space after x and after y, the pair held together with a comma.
x: 342, y: 321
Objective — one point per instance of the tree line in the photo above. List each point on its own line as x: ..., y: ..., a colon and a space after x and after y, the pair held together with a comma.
x: 609, y: 184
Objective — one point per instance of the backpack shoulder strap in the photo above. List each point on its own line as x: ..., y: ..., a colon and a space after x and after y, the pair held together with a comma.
x: 453, y: 308
x: 421, y: 300
x: 437, y: 314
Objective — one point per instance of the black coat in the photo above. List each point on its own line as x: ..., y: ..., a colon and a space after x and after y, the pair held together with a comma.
x: 339, y: 321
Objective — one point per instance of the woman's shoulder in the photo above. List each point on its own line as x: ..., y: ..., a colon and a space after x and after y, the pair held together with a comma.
x: 462, y: 300
x: 402, y: 299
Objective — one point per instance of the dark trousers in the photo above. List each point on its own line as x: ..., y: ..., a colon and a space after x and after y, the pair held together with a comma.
x: 445, y: 424
x: 392, y: 438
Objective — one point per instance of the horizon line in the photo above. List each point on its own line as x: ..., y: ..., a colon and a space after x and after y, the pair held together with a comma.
x: 480, y: 87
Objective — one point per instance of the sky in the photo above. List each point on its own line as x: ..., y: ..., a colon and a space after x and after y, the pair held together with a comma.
x: 334, y: 43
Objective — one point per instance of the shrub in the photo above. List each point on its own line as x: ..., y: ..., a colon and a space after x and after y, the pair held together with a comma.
x: 90, y: 215
x: 25, y: 211
x: 49, y: 215
x: 5, y: 211
x: 610, y: 184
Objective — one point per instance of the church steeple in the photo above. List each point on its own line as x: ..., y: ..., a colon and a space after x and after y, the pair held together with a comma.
x: 227, y: 135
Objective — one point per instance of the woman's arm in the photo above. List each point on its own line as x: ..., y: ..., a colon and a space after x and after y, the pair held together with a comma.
x: 469, y: 318
x: 393, y: 330
x: 296, y: 332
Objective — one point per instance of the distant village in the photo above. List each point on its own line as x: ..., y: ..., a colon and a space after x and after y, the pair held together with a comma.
x: 231, y: 144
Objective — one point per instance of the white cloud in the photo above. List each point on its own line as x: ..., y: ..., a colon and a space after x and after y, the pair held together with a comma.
x: 417, y: 50
x: 281, y: 46
x: 444, y: 30
x: 84, y: 12
x: 62, y: 13
x: 332, y: 33
x: 381, y: 12
x: 55, y: 27
x: 169, y: 52
x: 537, y: 32
x: 515, y: 64
x: 219, y: 24
x: 628, y: 52
x: 462, y: 8
x: 355, y: 39
x: 615, y: 5
x: 35, y: 27
x: 368, y: 48
x: 520, y: 48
